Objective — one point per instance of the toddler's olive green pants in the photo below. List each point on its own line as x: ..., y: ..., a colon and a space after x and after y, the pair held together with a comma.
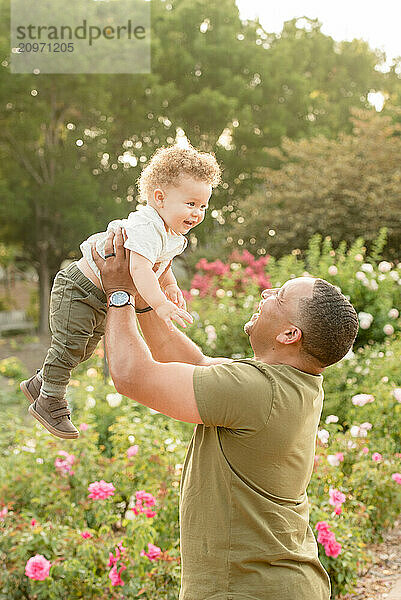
x: 77, y: 321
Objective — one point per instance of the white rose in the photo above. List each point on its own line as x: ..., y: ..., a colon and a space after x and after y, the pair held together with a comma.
x: 393, y: 313
x: 384, y: 266
x: 355, y: 431
x: 323, y: 435
x: 333, y: 460
x: 114, y: 400
x: 388, y: 329
x: 362, y: 399
x: 367, y: 267
x: 331, y: 419
x: 333, y: 270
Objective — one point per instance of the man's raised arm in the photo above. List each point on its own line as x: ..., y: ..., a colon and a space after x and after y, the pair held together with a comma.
x: 171, y: 346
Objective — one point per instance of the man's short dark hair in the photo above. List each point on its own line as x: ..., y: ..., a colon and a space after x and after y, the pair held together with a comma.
x: 329, y: 324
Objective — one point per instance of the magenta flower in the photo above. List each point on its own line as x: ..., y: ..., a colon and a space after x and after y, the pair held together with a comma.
x: 37, y: 567
x: 336, y: 497
x: 377, y: 457
x: 328, y: 539
x: 332, y: 547
x: 396, y: 477
x: 154, y: 552
x: 83, y: 427
x: 33, y: 522
x: 120, y: 551
x: 100, y: 490
x: 324, y: 533
x: 64, y: 465
x: 132, y: 451
x: 86, y: 535
x: 3, y: 513
x: 115, y: 575
x: 365, y: 450
x: 144, y: 502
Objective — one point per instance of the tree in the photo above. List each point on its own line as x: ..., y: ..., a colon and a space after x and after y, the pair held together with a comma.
x: 343, y: 188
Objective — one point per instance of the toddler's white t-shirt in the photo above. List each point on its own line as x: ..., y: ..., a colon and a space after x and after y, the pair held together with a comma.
x: 146, y: 235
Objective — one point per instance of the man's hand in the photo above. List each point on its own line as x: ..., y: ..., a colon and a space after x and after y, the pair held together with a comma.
x: 114, y: 270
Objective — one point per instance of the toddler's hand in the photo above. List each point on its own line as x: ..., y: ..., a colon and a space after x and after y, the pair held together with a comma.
x: 168, y: 311
x: 174, y: 294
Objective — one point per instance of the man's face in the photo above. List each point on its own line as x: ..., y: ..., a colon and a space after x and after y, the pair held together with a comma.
x: 277, y: 311
x: 184, y: 204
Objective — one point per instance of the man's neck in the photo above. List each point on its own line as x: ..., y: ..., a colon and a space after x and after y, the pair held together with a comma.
x: 291, y: 361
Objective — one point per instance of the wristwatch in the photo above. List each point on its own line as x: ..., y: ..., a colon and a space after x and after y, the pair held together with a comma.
x: 120, y: 298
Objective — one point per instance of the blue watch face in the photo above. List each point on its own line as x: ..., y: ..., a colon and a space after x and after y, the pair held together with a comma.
x: 119, y: 298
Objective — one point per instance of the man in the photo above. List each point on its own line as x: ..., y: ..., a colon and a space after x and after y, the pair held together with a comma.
x: 243, y: 504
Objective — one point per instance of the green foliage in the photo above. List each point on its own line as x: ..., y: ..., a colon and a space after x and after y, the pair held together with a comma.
x: 12, y: 368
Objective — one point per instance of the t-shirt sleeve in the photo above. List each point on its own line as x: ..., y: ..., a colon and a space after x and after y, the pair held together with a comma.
x: 146, y: 240
x: 233, y: 395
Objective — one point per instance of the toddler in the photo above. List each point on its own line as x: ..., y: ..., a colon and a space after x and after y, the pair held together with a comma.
x: 176, y: 185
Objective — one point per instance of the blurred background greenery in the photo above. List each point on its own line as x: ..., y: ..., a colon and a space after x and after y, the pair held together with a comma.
x: 287, y: 115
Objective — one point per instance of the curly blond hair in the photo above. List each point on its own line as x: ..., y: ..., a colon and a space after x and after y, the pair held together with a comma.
x: 167, y: 165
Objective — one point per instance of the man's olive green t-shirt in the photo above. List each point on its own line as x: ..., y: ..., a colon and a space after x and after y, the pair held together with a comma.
x: 244, y: 517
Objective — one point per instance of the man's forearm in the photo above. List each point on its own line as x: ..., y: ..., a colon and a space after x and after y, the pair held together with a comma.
x: 165, y: 345
x: 171, y: 346
x: 127, y: 353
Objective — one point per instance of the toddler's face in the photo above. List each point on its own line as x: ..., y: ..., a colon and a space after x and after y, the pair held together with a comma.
x: 183, y: 206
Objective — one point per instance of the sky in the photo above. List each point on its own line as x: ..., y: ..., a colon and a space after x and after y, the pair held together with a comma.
x: 377, y: 23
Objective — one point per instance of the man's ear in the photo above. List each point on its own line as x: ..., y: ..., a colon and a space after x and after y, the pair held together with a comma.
x: 289, y: 336
x: 159, y: 197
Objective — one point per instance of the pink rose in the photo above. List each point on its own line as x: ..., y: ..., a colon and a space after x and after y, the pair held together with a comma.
x: 377, y: 457
x: 100, y: 490
x: 3, y: 513
x: 324, y: 536
x: 338, y: 509
x: 120, y: 551
x: 332, y: 548
x: 148, y: 500
x: 132, y: 451
x: 340, y: 456
x: 396, y: 477
x: 322, y: 526
x: 64, y: 465
x: 336, y: 497
x: 86, y: 535
x: 37, y: 567
x: 84, y: 427
x: 154, y: 552
x: 115, y: 575
x: 365, y: 450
